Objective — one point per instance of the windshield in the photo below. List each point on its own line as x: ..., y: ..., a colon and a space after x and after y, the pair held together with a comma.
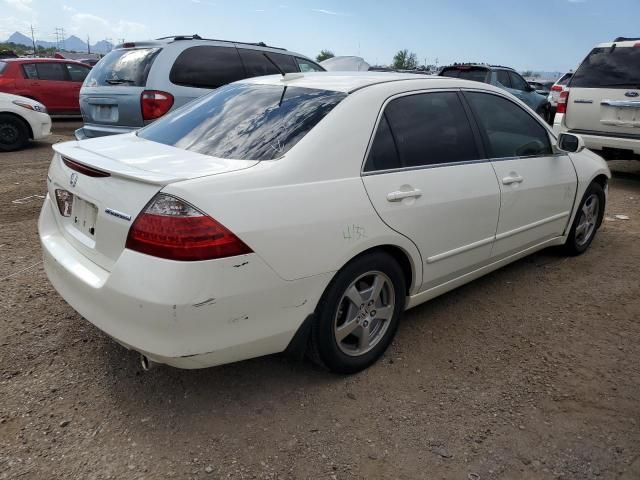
x: 610, y: 67
x: 244, y: 121
x: 123, y: 67
x: 475, y: 74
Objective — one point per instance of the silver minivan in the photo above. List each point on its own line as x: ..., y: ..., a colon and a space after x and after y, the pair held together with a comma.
x: 136, y: 83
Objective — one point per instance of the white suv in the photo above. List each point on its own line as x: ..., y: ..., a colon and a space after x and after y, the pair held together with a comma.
x: 602, y: 103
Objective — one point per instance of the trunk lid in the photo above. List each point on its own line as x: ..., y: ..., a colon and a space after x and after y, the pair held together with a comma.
x: 119, y: 106
x: 130, y: 172
x: 611, y: 110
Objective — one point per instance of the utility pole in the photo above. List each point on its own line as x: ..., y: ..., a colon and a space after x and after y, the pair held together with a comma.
x: 33, y: 40
x: 88, y: 45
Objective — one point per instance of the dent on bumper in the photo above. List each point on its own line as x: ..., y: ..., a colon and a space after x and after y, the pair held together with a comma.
x: 185, y: 314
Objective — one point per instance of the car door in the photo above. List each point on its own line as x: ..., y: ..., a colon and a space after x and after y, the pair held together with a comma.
x: 75, y: 76
x: 427, y: 179
x: 537, y: 185
x: 30, y: 86
x: 53, y: 85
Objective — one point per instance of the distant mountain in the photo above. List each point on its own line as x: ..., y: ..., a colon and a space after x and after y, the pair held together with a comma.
x: 72, y: 43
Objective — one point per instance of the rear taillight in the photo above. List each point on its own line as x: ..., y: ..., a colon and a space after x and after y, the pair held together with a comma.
x: 171, y: 228
x: 556, y: 88
x: 84, y: 169
x: 562, y: 102
x: 155, y: 104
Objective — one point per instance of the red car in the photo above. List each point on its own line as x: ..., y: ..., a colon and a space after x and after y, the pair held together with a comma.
x: 53, y: 82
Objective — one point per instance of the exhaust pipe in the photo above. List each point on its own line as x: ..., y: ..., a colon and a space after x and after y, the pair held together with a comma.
x: 146, y: 363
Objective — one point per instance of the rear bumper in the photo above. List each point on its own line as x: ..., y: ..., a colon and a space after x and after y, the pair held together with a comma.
x: 184, y: 314
x: 94, y: 131
x: 600, y: 140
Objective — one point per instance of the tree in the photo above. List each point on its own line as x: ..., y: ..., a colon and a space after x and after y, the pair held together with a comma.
x: 405, y: 60
x: 527, y: 73
x: 324, y: 55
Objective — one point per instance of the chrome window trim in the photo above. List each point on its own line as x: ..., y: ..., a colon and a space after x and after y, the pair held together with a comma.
x: 553, y: 139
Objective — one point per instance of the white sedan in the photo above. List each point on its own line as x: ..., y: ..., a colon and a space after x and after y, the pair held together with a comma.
x: 21, y: 119
x: 306, y: 213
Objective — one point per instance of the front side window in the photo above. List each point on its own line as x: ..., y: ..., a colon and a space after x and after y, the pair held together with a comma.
x: 244, y: 121
x: 609, y: 67
x: 77, y: 73
x: 51, y: 71
x: 30, y: 71
x: 518, y: 82
x: 508, y: 130
x: 308, y: 66
x: 207, y: 67
x: 427, y: 128
x: 257, y: 64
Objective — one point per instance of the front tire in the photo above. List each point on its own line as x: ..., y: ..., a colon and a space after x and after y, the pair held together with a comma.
x: 14, y: 133
x: 587, y: 220
x: 357, y: 317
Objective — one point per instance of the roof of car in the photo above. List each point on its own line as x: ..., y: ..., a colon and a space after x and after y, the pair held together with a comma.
x: 621, y: 42
x: 40, y: 59
x: 343, y: 81
x: 478, y: 65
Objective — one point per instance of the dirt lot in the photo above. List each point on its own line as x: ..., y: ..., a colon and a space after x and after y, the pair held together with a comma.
x: 532, y: 372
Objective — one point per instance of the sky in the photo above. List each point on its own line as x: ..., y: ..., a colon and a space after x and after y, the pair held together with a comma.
x: 549, y: 35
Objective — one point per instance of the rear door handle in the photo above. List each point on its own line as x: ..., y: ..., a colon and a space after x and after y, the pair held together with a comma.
x: 512, y: 179
x: 399, y: 195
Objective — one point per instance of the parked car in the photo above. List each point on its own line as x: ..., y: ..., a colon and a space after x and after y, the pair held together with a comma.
x: 21, y: 119
x: 137, y: 83
x: 503, y: 77
x: 557, y: 88
x: 602, y: 103
x: 54, y: 83
x: 541, y: 88
x: 311, y: 210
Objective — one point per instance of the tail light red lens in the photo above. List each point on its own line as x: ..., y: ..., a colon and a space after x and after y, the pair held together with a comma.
x: 84, y: 169
x: 562, y: 102
x: 155, y: 104
x: 556, y: 88
x: 171, y: 228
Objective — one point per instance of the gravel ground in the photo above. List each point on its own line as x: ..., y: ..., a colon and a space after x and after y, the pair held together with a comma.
x: 532, y: 372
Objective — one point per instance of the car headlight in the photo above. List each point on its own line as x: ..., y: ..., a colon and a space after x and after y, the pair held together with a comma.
x: 36, y: 107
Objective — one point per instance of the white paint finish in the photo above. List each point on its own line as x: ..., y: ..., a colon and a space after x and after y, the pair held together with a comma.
x: 453, y: 222
x: 39, y: 122
x: 304, y: 215
x: 538, y: 207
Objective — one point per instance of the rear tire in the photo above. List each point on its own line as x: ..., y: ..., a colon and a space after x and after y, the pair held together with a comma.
x: 14, y: 133
x: 357, y: 316
x: 588, y: 219
x: 545, y: 112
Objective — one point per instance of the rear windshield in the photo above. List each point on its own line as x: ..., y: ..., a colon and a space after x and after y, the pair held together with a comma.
x: 244, y: 121
x: 609, y: 67
x: 475, y: 74
x: 123, y: 67
x: 3, y: 65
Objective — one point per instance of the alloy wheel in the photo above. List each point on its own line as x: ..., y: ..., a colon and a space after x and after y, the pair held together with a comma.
x: 588, y: 220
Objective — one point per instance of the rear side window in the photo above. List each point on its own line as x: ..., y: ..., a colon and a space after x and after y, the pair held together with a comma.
x: 609, y: 67
x: 256, y: 63
x: 308, y: 65
x: 77, y: 73
x: 507, y: 130
x: 51, y: 71
x: 503, y: 78
x: 207, y: 67
x: 29, y: 70
x: 383, y: 154
x: 3, y: 65
x: 428, y: 129
x: 123, y: 67
x: 244, y: 121
x: 467, y: 73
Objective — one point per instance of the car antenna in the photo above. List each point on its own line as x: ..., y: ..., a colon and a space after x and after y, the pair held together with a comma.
x: 274, y: 63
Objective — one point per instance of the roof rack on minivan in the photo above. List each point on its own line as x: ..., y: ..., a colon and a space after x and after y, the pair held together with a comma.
x: 626, y: 39
x: 198, y: 37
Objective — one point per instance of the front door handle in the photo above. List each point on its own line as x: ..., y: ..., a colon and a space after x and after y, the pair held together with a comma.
x: 399, y: 195
x: 512, y: 179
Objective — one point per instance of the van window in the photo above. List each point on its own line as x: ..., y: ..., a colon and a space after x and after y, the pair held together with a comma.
x: 244, y: 121
x: 256, y: 64
x: 609, y: 67
x: 124, y: 66
x: 207, y: 67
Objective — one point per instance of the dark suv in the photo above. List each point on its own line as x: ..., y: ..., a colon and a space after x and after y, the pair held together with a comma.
x: 503, y: 77
x: 139, y: 82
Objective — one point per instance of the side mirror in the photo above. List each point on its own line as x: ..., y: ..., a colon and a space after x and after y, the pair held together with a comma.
x: 570, y: 143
